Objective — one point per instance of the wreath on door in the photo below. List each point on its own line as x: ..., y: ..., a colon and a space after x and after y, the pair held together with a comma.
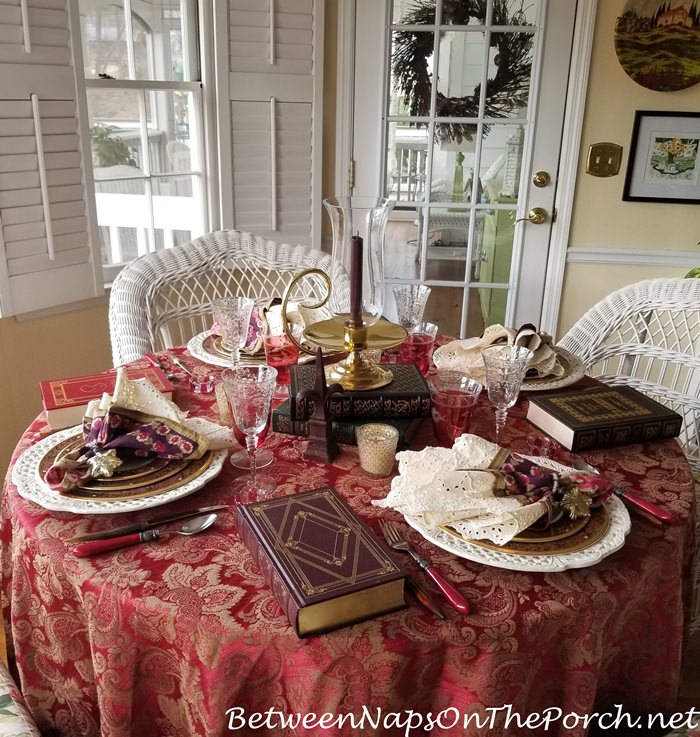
x: 505, y: 92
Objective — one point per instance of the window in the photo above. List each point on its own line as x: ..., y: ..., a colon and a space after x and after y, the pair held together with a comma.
x: 145, y: 124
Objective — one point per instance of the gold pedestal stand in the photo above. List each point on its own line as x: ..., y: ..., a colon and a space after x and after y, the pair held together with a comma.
x: 354, y: 372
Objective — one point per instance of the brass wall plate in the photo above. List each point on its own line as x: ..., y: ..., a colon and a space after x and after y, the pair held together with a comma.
x: 604, y: 159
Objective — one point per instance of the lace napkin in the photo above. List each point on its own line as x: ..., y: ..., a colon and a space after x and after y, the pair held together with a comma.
x: 135, y: 421
x: 485, y: 492
x: 466, y: 355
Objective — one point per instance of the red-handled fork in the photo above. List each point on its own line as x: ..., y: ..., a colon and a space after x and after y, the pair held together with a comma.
x: 395, y: 538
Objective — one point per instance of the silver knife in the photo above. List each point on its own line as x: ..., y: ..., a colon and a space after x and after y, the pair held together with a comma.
x: 148, y: 524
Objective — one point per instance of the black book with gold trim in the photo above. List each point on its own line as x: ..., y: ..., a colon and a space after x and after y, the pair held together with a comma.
x: 324, y: 565
x: 603, y: 418
x: 408, y: 395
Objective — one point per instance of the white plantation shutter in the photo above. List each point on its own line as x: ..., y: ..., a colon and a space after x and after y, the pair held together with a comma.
x: 275, y: 117
x: 45, y: 253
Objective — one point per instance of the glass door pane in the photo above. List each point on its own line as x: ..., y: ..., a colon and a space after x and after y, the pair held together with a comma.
x: 456, y: 121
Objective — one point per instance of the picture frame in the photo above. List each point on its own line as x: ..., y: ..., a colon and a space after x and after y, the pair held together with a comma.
x: 664, y: 158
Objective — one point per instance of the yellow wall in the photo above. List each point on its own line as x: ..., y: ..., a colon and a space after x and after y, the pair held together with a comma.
x: 53, y: 347
x: 77, y: 342
x: 600, y: 218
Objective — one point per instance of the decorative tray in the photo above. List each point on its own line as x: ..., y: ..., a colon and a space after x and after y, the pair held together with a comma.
x: 139, y: 486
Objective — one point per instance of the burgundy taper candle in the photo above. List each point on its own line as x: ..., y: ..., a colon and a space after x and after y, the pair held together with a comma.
x: 356, y: 280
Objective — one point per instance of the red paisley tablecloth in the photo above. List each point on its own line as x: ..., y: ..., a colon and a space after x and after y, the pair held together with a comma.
x: 182, y: 637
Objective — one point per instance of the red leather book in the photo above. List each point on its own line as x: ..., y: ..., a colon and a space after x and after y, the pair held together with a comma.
x: 65, y: 400
x: 324, y: 565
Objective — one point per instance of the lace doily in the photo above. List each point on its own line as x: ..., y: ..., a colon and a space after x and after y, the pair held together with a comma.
x: 459, y: 486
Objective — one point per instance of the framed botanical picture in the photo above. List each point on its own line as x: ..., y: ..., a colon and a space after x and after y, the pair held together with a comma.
x: 663, y: 161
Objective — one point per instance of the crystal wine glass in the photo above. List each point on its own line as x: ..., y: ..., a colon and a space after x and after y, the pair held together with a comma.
x: 263, y: 456
x: 233, y: 316
x: 410, y: 304
x: 250, y: 389
x: 505, y: 370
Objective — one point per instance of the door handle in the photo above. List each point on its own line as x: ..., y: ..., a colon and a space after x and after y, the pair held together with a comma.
x: 536, y: 216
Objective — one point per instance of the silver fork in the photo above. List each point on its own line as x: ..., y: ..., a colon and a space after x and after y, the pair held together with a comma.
x: 396, y: 539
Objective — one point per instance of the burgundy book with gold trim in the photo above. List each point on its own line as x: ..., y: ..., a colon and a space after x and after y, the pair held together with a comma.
x: 324, y: 565
x: 65, y: 400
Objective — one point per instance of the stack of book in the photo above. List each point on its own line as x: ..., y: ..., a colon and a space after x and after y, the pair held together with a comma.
x: 403, y: 403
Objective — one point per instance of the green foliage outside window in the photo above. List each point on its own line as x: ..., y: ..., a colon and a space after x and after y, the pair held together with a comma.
x: 108, y: 149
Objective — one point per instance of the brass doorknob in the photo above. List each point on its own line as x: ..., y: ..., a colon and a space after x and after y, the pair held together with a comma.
x: 541, y: 179
x: 536, y: 216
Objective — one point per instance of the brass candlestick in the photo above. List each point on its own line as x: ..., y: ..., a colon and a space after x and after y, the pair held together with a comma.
x: 353, y: 372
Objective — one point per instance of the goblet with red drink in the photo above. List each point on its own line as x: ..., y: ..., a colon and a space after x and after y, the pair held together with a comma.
x: 240, y: 458
x: 418, y: 346
x: 452, y: 399
x: 281, y: 353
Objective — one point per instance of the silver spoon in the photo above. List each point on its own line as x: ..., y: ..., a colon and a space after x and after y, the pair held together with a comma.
x: 94, y: 547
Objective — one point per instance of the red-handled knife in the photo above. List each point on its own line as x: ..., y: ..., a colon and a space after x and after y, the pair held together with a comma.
x: 148, y: 524
x: 649, y: 508
x: 651, y: 511
x: 95, y: 547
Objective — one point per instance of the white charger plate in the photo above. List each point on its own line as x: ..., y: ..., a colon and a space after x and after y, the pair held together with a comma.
x: 197, y: 349
x: 445, y: 357
x: 613, y: 539
x: 30, y: 485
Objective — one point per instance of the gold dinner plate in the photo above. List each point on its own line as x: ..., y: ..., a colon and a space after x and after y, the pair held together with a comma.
x: 155, y: 477
x: 211, y: 345
x: 565, y: 536
x: 330, y: 334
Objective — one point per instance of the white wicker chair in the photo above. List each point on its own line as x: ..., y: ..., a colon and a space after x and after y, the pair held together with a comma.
x: 162, y: 299
x: 15, y: 718
x: 647, y: 335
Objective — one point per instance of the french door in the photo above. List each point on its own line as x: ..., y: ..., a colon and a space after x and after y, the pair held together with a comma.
x: 458, y: 115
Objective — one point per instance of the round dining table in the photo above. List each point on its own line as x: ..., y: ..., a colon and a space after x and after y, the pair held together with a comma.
x: 183, y: 636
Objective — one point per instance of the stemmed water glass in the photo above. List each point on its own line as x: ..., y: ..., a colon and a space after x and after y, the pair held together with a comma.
x: 410, y: 304
x: 233, y: 317
x: 505, y: 370
x: 250, y: 389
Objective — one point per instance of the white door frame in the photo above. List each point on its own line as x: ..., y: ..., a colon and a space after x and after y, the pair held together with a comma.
x: 571, y: 138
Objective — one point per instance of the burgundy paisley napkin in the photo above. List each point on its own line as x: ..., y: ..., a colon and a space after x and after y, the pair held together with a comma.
x: 117, y: 435
x: 136, y: 421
